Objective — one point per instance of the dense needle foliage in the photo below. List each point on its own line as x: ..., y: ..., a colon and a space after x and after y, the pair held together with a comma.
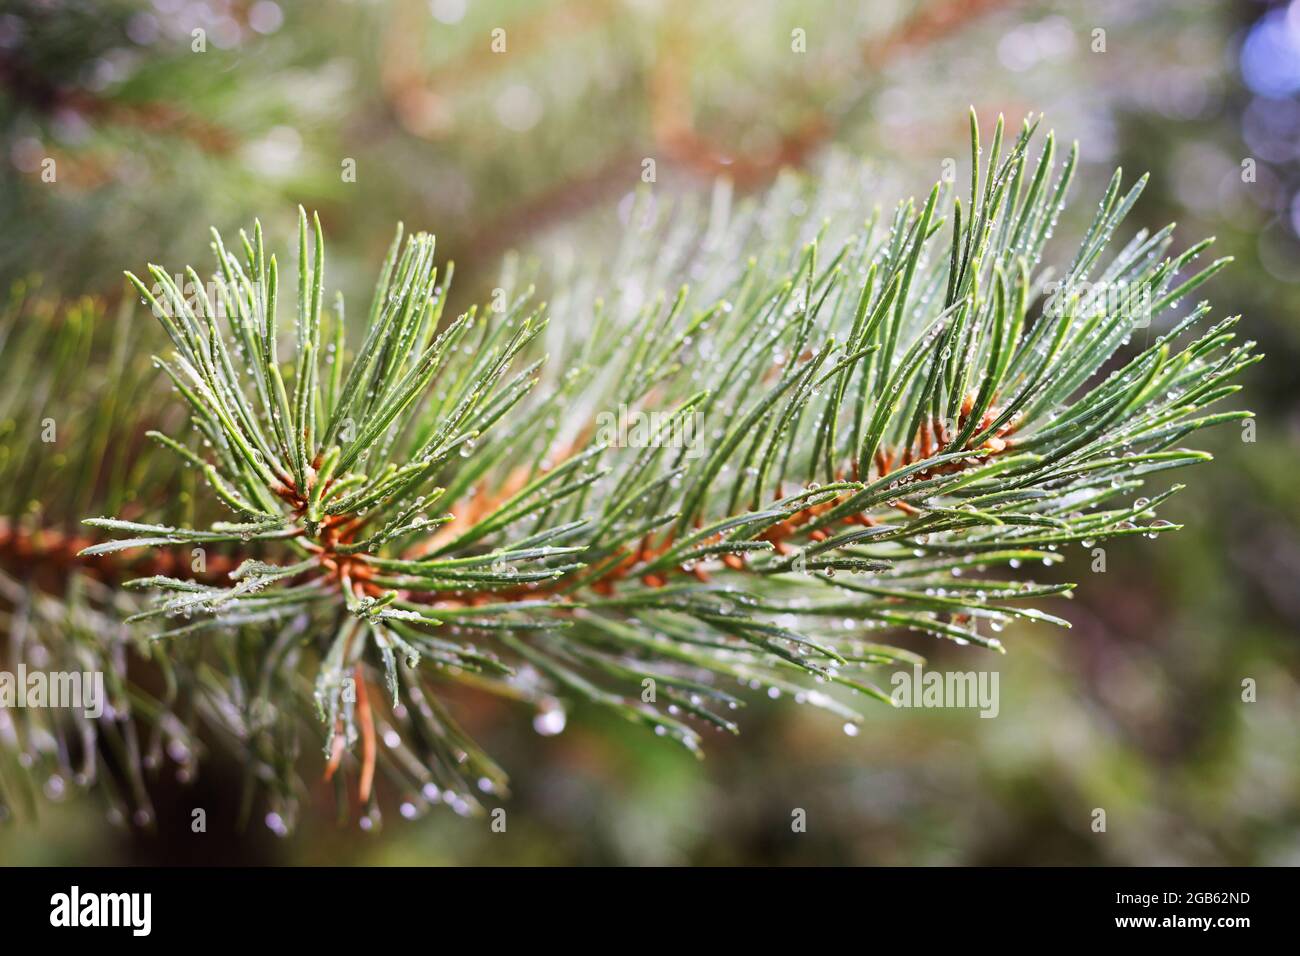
x: 859, y: 427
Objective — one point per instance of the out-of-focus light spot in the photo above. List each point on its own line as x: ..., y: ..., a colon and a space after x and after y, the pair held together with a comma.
x: 265, y: 17
x: 69, y: 126
x: 895, y: 107
x: 1271, y: 129
x: 102, y: 74
x: 1031, y: 43
x: 11, y: 31
x: 1016, y: 50
x: 226, y: 33
x: 142, y: 28
x: 1197, y: 172
x: 276, y: 153
x: 202, y: 13
x: 1279, y: 252
x: 1055, y: 37
x: 518, y: 107
x: 1098, y: 140
x: 27, y: 154
x: 1265, y: 195
x: 1177, y: 93
x: 1295, y: 214
x: 447, y: 11
x: 1270, y: 56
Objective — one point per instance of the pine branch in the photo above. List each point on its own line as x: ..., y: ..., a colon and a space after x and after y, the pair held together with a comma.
x: 837, y: 436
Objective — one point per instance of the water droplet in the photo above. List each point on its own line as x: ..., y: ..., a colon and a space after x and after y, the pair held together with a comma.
x: 550, y: 719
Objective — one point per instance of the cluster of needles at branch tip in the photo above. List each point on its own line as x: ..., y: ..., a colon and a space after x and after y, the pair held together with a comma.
x: 846, y: 427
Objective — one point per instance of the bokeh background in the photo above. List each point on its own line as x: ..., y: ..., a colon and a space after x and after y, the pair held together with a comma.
x: 1137, y: 709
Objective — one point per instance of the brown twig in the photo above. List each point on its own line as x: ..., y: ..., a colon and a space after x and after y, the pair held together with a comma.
x: 50, y: 554
x: 368, y: 749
